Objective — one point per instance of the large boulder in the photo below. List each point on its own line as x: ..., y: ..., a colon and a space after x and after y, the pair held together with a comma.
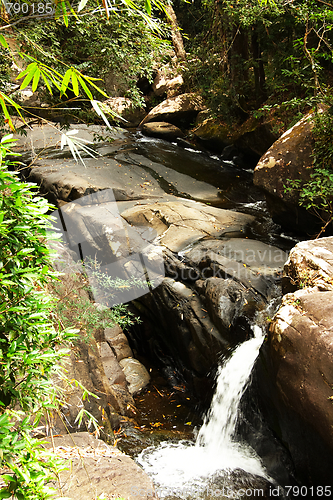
x: 289, y: 158
x: 179, y: 111
x: 298, y: 369
x: 252, y: 138
x: 205, y: 305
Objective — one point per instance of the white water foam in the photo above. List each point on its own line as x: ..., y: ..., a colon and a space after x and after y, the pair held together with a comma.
x: 186, y: 466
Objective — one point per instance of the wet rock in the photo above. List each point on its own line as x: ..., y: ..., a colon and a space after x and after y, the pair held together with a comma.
x: 97, y: 470
x: 124, y: 107
x: 290, y: 157
x: 136, y: 374
x: 178, y: 326
x: 162, y: 130
x: 251, y: 263
x: 240, y: 484
x: 179, y: 111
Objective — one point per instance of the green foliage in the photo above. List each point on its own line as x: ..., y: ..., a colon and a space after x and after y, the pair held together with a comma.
x: 30, y: 347
x: 245, y: 53
x: 121, y: 46
x: 75, y: 308
x: 316, y: 195
x: 122, y: 40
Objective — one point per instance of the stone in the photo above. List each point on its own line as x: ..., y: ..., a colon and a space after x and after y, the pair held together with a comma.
x: 112, y: 369
x: 179, y: 111
x: 290, y: 157
x: 130, y: 116
x: 179, y: 224
x: 120, y: 347
x: 96, y: 470
x: 251, y: 138
x: 252, y: 263
x: 165, y: 82
x: 310, y: 264
x: 296, y: 375
x: 300, y: 348
x: 162, y: 130
x: 136, y: 374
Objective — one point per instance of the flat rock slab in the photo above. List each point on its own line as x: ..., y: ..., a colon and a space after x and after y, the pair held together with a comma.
x: 42, y: 141
x: 170, y: 180
x: 131, y: 176
x: 97, y: 469
x: 182, y: 223
x: 66, y: 180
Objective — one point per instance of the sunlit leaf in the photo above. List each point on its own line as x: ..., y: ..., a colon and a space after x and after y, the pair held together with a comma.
x: 82, y: 5
x: 3, y: 41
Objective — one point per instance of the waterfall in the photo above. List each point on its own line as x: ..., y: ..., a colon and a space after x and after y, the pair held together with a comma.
x: 186, y: 466
x: 219, y: 425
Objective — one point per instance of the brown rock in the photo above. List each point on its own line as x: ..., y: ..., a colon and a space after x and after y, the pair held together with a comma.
x: 289, y: 158
x: 124, y: 108
x: 176, y: 110
x: 180, y: 223
x: 97, y: 469
x: 162, y: 130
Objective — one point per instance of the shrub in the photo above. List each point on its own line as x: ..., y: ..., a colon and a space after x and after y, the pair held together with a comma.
x: 31, y: 348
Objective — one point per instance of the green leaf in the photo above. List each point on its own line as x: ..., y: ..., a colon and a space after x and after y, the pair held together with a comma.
x: 32, y: 68
x: 75, y: 84
x: 65, y: 81
x: 3, y: 41
x: 148, y: 7
x: 84, y: 86
x: 36, y: 79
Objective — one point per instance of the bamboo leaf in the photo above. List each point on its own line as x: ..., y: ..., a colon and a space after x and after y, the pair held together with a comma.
x: 36, y: 79
x: 82, y: 5
x: 65, y: 81
x: 75, y: 84
x: 46, y: 82
x: 3, y: 41
x: 32, y: 69
x: 84, y: 86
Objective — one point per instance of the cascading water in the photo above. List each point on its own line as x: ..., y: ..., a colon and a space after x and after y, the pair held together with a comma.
x: 182, y: 468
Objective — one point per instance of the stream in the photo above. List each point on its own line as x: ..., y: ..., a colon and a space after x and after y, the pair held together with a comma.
x: 184, y: 469
x: 190, y: 460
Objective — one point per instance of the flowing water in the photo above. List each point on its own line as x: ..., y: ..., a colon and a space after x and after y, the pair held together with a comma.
x: 180, y: 469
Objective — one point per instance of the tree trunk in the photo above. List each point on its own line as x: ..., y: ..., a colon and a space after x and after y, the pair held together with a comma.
x: 176, y: 36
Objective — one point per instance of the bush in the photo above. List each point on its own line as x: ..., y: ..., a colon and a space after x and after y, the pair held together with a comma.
x: 30, y: 346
